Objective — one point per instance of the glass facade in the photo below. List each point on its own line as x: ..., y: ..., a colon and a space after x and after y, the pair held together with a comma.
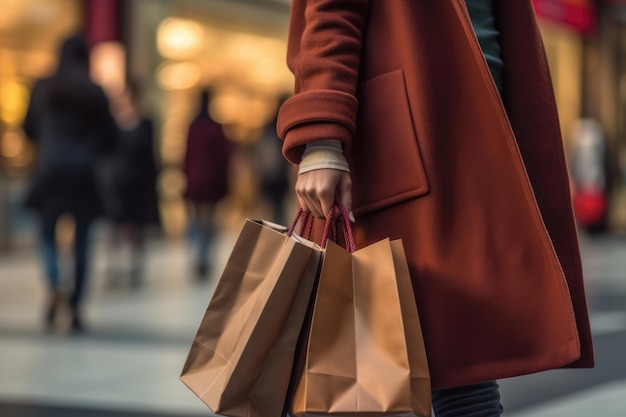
x: 235, y: 48
x: 175, y: 49
x: 238, y: 49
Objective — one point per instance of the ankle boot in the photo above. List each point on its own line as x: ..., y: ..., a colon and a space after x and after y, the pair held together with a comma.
x: 75, y: 315
x: 77, y: 322
x: 52, y: 308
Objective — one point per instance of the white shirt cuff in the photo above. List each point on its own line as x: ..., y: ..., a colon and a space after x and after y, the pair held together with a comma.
x: 323, y: 154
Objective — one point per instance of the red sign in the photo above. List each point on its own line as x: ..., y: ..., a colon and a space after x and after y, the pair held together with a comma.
x: 578, y: 14
x: 102, y: 20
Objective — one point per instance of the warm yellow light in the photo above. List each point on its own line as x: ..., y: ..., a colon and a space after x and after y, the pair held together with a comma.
x: 13, y: 103
x: 235, y: 107
x: 11, y: 13
x: 226, y: 107
x: 179, y: 38
x: 12, y: 145
x: 178, y: 76
x: 258, y: 111
x: 108, y: 66
x: 42, y: 12
x: 266, y: 71
x: 36, y: 64
x: 171, y: 183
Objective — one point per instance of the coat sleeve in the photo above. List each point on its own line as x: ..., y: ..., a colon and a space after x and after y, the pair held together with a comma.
x: 324, y: 49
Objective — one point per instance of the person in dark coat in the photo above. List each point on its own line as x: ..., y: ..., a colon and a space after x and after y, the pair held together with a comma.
x: 134, y: 178
x: 274, y: 170
x: 69, y: 121
x: 206, y: 167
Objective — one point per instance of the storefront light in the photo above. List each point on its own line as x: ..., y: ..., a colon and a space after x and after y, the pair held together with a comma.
x: 179, y: 38
x: 13, y: 102
x: 171, y: 183
x: 266, y: 72
x: 12, y: 145
x: 178, y: 76
x: 41, y: 12
x: 11, y: 13
x: 226, y: 107
x: 37, y: 64
x: 233, y: 107
x: 108, y: 66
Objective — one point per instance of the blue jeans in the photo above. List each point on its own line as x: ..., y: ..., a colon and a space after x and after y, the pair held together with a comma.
x: 477, y: 400
x: 51, y: 258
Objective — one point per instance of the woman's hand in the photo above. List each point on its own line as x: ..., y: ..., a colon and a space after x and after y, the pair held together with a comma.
x: 316, y: 191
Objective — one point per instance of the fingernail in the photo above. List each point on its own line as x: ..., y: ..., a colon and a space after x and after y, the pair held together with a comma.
x: 351, y: 217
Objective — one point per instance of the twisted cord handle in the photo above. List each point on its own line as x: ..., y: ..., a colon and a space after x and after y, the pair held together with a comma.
x: 294, y: 223
x: 346, y: 227
x: 329, y: 227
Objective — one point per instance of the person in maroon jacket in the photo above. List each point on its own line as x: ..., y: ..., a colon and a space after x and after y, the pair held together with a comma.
x: 206, y: 165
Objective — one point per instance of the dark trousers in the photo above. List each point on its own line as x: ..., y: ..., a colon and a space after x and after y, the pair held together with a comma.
x: 203, y: 232
x: 477, y: 400
x: 51, y: 257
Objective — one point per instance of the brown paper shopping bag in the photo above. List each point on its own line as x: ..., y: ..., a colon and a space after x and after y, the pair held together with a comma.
x: 242, y: 356
x: 365, y: 353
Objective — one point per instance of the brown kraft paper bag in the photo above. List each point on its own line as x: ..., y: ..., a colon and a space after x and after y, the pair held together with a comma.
x: 365, y: 353
x: 242, y: 356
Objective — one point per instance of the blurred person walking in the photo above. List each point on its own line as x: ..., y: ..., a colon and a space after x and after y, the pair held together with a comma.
x: 69, y: 120
x: 206, y: 169
x: 435, y: 123
x: 274, y: 171
x: 134, y: 181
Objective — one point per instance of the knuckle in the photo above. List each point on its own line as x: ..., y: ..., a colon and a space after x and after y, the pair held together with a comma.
x: 310, y: 191
x: 325, y: 192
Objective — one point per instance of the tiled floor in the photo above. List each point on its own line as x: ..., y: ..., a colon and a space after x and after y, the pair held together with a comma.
x: 605, y: 400
x: 128, y: 362
x: 31, y: 410
x: 133, y: 351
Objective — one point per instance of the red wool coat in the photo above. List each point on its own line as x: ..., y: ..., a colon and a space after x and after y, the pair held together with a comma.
x: 475, y: 184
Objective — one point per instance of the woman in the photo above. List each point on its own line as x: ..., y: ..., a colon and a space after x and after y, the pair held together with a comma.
x: 435, y: 122
x: 273, y: 170
x: 69, y: 120
x: 206, y: 165
x: 134, y: 179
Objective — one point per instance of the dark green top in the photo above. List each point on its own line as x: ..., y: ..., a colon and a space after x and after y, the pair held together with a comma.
x: 483, y: 15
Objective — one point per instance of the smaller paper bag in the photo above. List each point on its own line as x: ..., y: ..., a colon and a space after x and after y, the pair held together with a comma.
x: 365, y: 353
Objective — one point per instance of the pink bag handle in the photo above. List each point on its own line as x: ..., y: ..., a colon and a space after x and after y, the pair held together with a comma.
x: 305, y: 223
x: 307, y: 226
x: 294, y: 222
x: 346, y: 227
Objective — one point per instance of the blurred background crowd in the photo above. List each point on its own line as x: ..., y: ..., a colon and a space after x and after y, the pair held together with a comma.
x: 171, y: 50
x: 169, y: 106
x: 136, y: 135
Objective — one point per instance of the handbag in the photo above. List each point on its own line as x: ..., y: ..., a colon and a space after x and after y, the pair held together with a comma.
x: 241, y: 358
x: 363, y: 352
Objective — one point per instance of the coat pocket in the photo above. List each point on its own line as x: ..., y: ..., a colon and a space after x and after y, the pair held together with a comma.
x: 385, y: 159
